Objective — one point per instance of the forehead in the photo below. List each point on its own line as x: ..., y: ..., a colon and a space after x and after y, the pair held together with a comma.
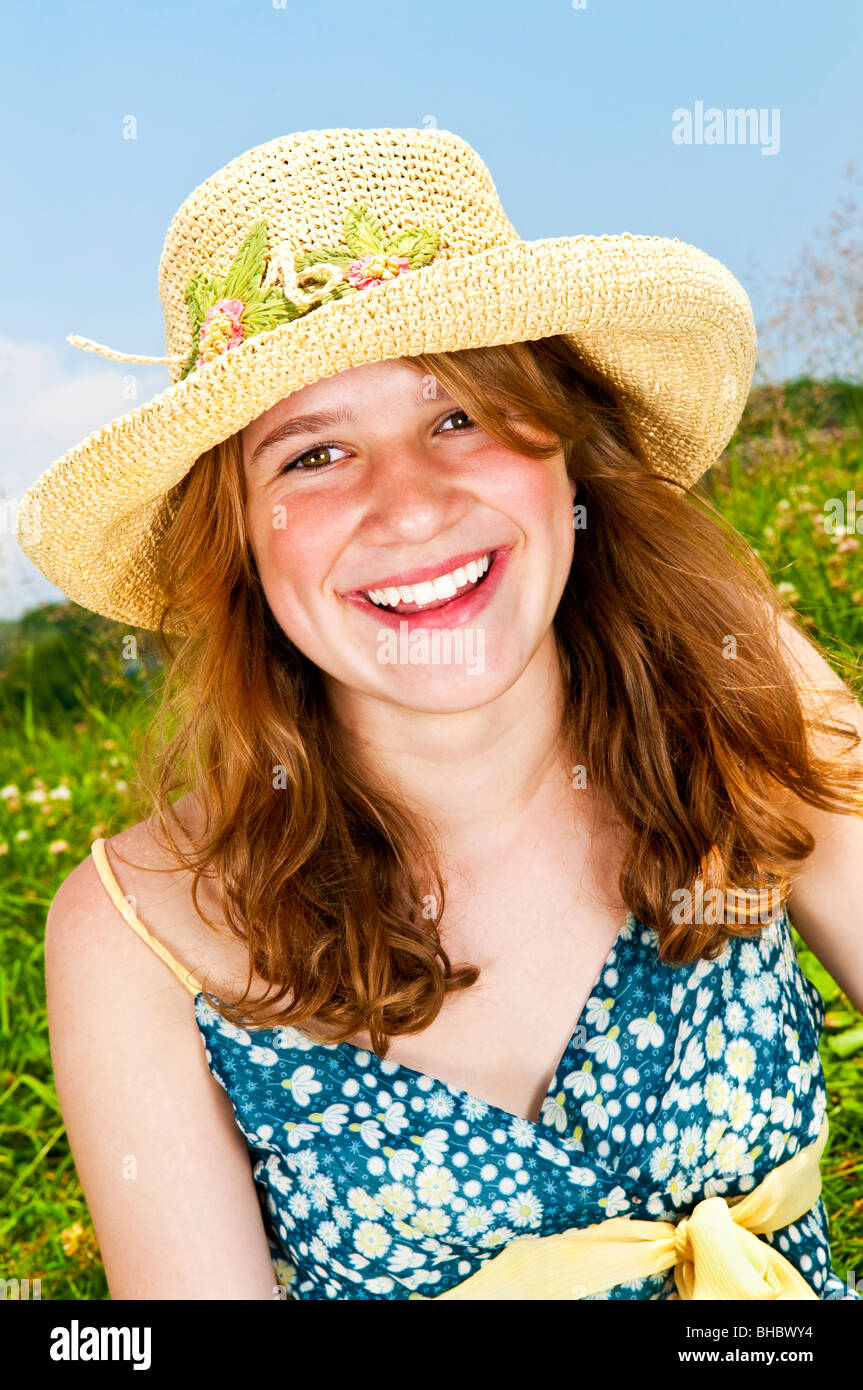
x: 372, y: 380
x: 346, y: 397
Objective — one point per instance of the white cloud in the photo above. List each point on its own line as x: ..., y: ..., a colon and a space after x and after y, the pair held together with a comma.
x: 47, y: 408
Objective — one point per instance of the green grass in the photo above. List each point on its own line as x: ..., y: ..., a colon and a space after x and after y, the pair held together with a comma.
x: 63, y: 726
x: 42, y: 840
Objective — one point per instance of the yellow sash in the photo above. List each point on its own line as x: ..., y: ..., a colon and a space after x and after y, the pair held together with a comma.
x: 714, y: 1252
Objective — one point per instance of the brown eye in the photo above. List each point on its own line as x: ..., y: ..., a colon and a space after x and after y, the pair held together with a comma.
x: 313, y: 460
x: 456, y: 415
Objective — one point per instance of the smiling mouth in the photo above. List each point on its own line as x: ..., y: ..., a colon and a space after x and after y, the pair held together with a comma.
x: 432, y: 593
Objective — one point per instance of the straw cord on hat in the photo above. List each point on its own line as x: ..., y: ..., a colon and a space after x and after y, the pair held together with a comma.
x: 89, y: 346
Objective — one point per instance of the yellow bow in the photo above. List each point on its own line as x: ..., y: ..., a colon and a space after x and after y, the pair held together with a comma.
x: 714, y: 1252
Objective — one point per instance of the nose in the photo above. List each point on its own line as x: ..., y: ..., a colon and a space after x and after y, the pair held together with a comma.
x: 410, y: 494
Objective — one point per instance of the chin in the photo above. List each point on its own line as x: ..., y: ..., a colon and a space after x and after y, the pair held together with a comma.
x: 447, y: 688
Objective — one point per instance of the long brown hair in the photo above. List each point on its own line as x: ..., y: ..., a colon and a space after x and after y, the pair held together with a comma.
x: 326, y: 879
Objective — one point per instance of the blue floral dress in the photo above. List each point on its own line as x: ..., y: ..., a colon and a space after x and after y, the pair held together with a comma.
x: 679, y: 1082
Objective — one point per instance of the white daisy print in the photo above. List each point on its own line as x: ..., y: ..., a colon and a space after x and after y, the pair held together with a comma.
x: 431, y: 1221
x: 597, y: 1013
x: 606, y: 1049
x: 432, y: 1145
x: 333, y: 1119
x: 595, y: 1113
x: 661, y: 1162
x: 492, y: 1240
x: 732, y: 1155
x: 740, y: 1059
x: 473, y: 1221
x: 740, y: 1108
x: 615, y: 1203
x: 693, y: 1058
x: 735, y: 1017
x: 302, y: 1085
x: 521, y: 1132
x: 647, y: 1031
x: 440, y: 1104
x: 782, y: 1110
x: 435, y: 1186
x: 394, y: 1119
x: 363, y: 1203
x: 401, y: 1163
x: 717, y: 1093
x: 680, y: 1193
x: 297, y: 1134
x: 523, y: 1211
x: 397, y: 1199
x: 554, y: 1111
x: 581, y: 1082
x: 371, y: 1239
x: 690, y: 1145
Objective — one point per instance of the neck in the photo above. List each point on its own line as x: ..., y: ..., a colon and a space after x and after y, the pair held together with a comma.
x: 480, y: 775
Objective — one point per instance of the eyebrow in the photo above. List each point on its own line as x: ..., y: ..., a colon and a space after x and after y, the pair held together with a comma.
x: 321, y: 420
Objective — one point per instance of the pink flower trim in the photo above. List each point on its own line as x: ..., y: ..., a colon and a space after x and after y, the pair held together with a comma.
x: 232, y: 309
x: 375, y: 269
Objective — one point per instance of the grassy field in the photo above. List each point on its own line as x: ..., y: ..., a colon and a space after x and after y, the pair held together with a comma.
x: 70, y: 711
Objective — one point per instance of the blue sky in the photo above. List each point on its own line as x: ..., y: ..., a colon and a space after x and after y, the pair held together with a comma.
x: 571, y: 110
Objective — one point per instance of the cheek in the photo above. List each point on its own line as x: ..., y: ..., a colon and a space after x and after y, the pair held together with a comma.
x: 293, y: 542
x: 536, y: 493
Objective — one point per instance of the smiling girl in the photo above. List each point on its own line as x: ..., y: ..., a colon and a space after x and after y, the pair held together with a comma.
x: 471, y: 990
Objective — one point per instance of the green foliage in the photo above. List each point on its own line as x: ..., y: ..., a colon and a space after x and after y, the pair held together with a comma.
x: 419, y: 244
x: 334, y: 255
x: 797, y: 407
x: 363, y: 232
x: 247, y: 267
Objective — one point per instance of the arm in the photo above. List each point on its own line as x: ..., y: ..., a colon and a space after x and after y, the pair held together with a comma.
x: 825, y: 902
x: 164, y: 1167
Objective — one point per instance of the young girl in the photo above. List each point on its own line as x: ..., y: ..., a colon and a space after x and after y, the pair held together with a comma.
x: 502, y: 769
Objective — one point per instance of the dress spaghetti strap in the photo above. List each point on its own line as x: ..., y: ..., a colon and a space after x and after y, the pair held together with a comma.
x: 106, y: 874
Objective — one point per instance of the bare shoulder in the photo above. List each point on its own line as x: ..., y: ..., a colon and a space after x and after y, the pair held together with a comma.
x: 86, y: 934
x: 164, y: 1167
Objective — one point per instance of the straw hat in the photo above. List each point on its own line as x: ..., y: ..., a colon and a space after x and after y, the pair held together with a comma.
x: 326, y: 249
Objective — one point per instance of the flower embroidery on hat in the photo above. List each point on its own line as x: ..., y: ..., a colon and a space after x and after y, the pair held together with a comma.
x: 221, y: 329
x: 258, y: 293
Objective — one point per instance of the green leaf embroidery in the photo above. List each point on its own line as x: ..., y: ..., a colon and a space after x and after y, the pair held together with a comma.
x: 419, y: 244
x: 362, y: 231
x: 202, y: 292
x: 247, y: 266
x: 259, y: 318
x: 190, y: 362
x: 264, y: 309
x: 338, y: 255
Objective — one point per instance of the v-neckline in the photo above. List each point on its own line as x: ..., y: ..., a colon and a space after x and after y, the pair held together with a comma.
x: 455, y: 1090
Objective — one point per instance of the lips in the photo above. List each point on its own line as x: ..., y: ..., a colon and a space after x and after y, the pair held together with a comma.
x: 424, y: 573
x: 445, y: 613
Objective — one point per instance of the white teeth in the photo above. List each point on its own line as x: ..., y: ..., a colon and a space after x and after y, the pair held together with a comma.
x: 445, y: 586
x: 430, y: 591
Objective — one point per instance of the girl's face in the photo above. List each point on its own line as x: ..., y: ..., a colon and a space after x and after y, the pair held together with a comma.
x: 371, y: 498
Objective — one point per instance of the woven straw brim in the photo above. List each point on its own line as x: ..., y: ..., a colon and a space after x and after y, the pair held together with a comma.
x: 666, y: 323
